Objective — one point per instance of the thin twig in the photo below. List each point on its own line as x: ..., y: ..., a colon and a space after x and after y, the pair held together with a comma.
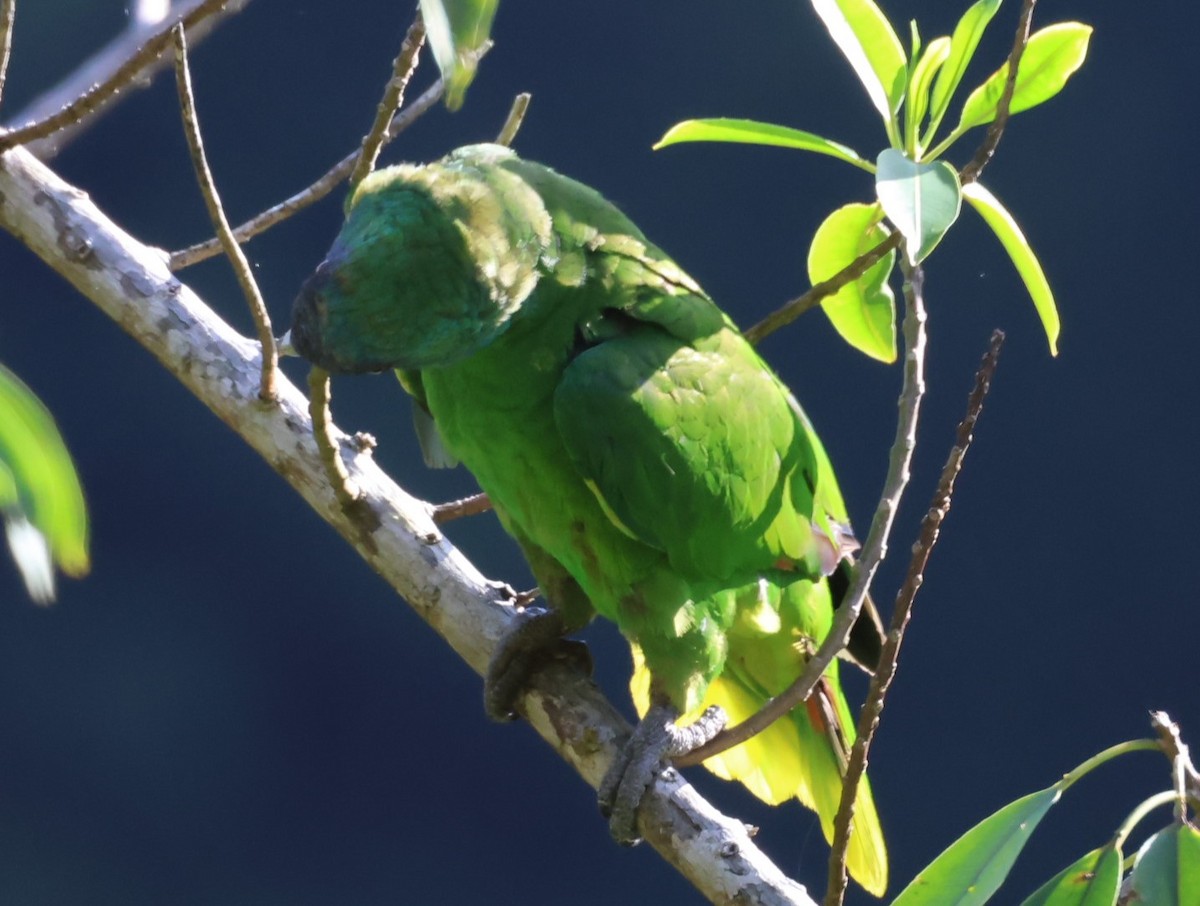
x: 971, y: 171
x: 8, y: 9
x: 875, y: 548
x: 101, y: 93
x: 790, y: 311
x: 457, y: 509
x: 208, y: 188
x: 403, y: 67
x: 327, y: 445
x: 310, y: 195
x: 99, y: 68
x: 868, y: 720
x: 516, y: 116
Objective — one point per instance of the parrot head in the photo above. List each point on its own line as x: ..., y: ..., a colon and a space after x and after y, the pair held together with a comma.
x: 429, y: 266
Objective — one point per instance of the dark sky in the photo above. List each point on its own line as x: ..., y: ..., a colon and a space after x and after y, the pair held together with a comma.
x: 233, y: 709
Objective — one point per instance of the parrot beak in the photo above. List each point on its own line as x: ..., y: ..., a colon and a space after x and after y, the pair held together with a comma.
x: 284, y: 347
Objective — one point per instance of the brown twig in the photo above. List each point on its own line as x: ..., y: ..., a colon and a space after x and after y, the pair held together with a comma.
x: 403, y: 67
x: 516, y: 116
x: 971, y: 171
x: 8, y: 9
x: 790, y: 311
x: 868, y: 720
x: 100, y: 66
x: 875, y: 548
x: 457, y: 509
x: 102, y: 92
x: 327, y: 445
x: 309, y: 195
x: 208, y: 188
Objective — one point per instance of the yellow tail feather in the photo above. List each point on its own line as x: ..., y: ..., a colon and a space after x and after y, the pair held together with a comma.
x: 792, y: 758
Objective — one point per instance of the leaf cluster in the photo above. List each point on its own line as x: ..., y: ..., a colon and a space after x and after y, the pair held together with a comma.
x: 917, y: 193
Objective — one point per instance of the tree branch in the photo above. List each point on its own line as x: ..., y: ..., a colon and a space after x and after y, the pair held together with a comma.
x: 310, y: 195
x: 128, y: 61
x: 403, y: 67
x: 392, y: 531
x: 216, y: 213
x: 8, y: 9
x: 991, y: 140
x: 868, y: 719
x: 790, y: 311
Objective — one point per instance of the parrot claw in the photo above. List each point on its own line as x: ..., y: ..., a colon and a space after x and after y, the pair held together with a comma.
x: 534, y: 638
x: 654, y: 740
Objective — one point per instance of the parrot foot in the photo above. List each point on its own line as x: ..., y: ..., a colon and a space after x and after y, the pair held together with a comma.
x: 535, y: 638
x: 655, y: 739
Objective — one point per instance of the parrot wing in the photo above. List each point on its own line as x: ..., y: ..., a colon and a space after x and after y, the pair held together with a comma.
x: 693, y: 446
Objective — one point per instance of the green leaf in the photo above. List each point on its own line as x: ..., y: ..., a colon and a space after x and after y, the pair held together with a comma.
x: 42, y: 502
x: 866, y: 39
x: 963, y: 42
x: 751, y: 132
x: 1050, y: 57
x: 996, y: 216
x: 459, y: 33
x: 922, y: 200
x: 1166, y: 871
x: 918, y: 90
x: 864, y: 310
x: 974, y: 866
x: 1092, y: 880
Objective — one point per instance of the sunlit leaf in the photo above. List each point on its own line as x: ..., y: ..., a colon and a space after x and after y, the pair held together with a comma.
x: 751, y: 132
x: 922, y: 200
x: 967, y: 32
x: 918, y: 88
x: 974, y: 866
x: 459, y: 33
x: 864, y: 310
x: 40, y: 498
x: 867, y: 40
x: 1167, y: 869
x: 1050, y: 57
x: 1092, y: 880
x: 996, y: 216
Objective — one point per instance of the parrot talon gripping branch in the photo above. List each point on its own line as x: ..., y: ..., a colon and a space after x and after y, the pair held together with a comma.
x: 652, y: 468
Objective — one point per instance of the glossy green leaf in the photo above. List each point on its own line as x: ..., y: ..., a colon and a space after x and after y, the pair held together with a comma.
x: 42, y: 502
x: 866, y: 39
x: 918, y: 89
x: 963, y: 42
x: 996, y: 216
x: 1167, y: 869
x: 459, y: 32
x: 1050, y: 57
x: 922, y: 200
x: 751, y: 132
x: 864, y: 310
x: 1092, y: 880
x: 974, y: 866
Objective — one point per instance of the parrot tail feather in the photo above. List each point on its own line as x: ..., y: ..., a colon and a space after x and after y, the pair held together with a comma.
x: 802, y: 756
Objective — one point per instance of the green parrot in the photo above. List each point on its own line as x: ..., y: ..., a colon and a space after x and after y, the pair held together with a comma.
x: 651, y: 467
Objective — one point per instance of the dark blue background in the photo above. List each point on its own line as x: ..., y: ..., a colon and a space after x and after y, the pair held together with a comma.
x: 233, y: 709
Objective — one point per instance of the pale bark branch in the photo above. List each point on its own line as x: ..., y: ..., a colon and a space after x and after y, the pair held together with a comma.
x: 8, y: 9
x: 392, y: 531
